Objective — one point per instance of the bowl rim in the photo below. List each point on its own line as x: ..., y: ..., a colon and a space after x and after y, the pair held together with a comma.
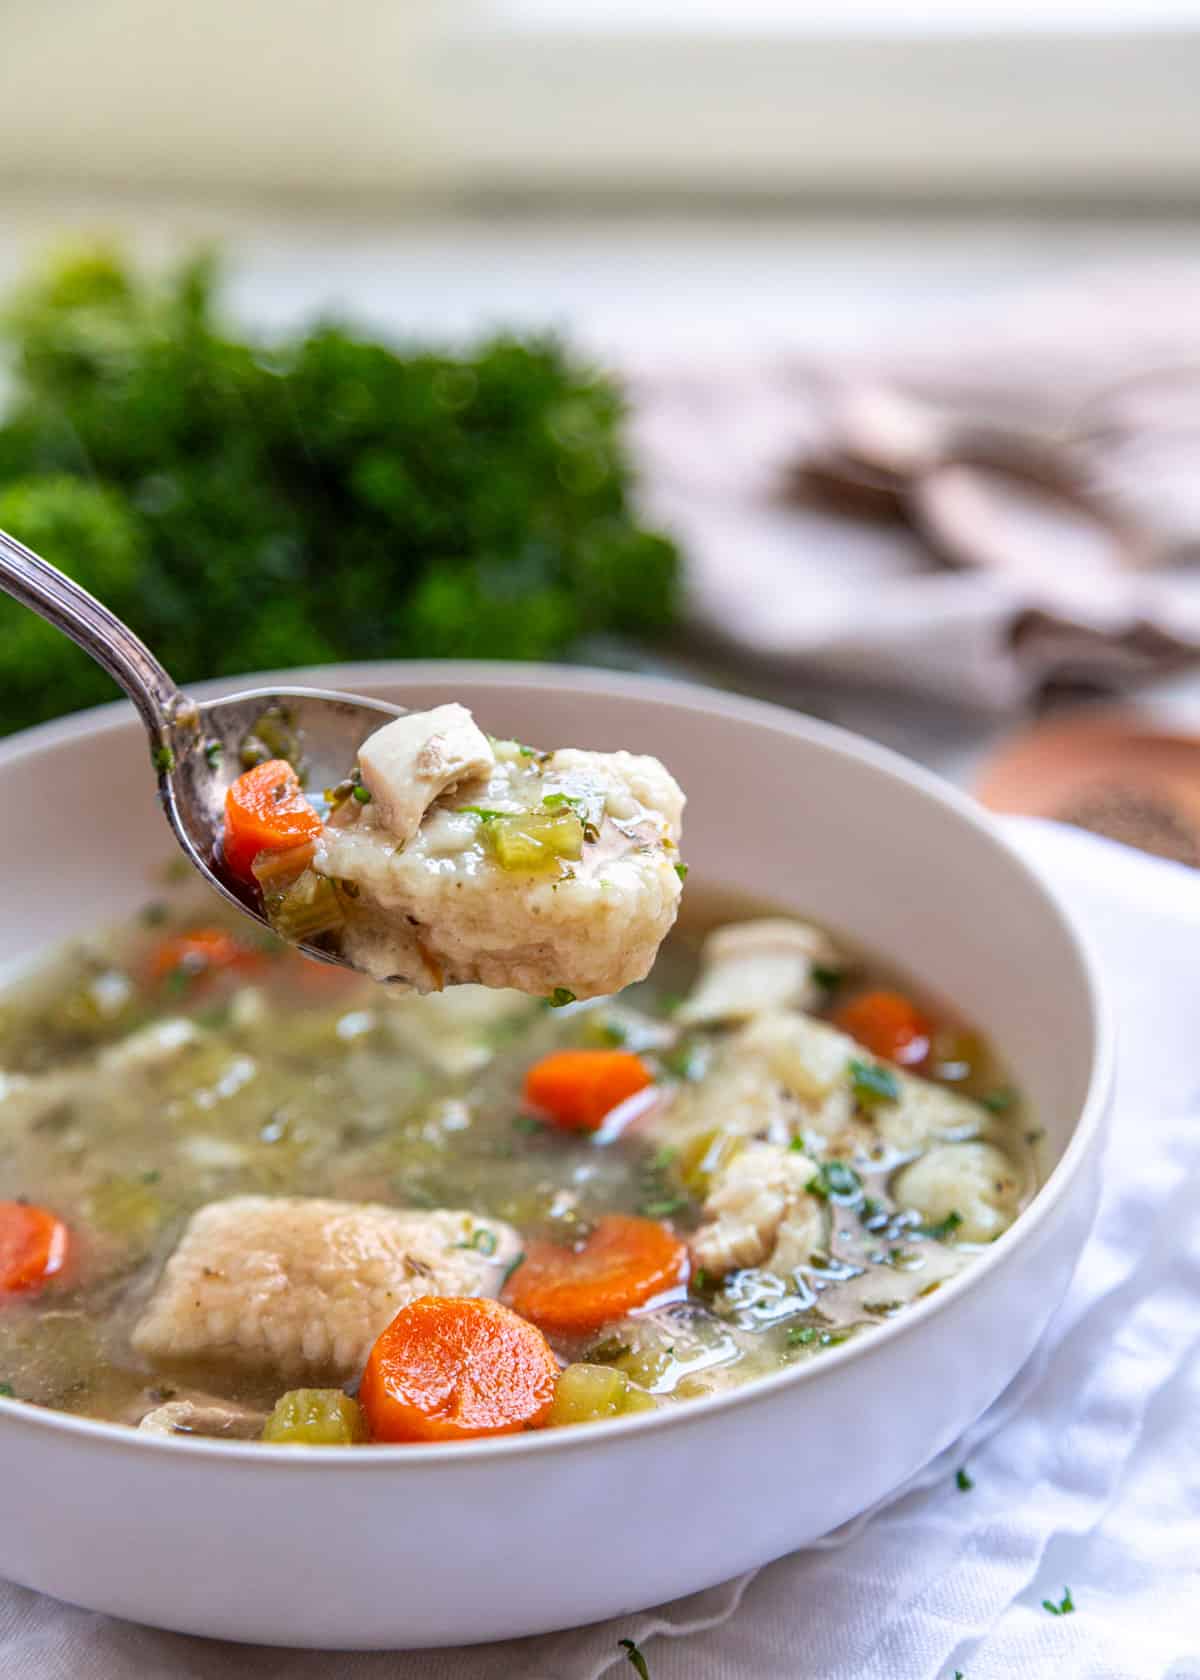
x: 1085, y: 1137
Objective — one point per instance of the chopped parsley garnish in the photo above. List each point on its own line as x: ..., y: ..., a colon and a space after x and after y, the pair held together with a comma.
x: 963, y: 1482
x: 806, y: 1336
x: 214, y: 752
x: 482, y: 812
x: 560, y: 997
x: 1000, y: 1100
x: 661, y: 1197
x: 662, y: 1207
x: 635, y: 1657
x: 163, y: 759
x: 871, y: 1209
x: 557, y: 801
x: 8, y: 1391
x: 681, y: 869
x: 1064, y: 1608
x: 873, y: 1084
x: 944, y: 1227
x: 483, y: 1241
x: 835, y: 1181
x: 362, y: 794
x: 701, y: 1282
x: 154, y: 915
x: 527, y: 1124
x: 516, y: 1261
x: 829, y: 979
x: 684, y: 1061
x: 526, y: 752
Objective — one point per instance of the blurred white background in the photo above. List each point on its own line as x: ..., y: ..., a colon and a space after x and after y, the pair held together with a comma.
x: 403, y: 98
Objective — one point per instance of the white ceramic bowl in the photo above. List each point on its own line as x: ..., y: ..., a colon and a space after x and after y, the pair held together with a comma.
x: 407, y: 1546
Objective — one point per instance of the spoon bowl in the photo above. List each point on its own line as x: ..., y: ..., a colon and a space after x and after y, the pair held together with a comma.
x: 198, y: 750
x: 207, y: 746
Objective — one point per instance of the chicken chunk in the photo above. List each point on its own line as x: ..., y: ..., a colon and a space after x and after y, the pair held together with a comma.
x: 302, y: 1286
x: 751, y: 967
x: 408, y: 764
x: 815, y: 1063
x: 787, y: 1075
x: 974, y: 1186
x: 554, y: 872
x: 759, y: 1212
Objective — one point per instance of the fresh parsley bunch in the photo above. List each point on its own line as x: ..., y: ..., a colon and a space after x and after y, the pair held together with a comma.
x: 325, y: 497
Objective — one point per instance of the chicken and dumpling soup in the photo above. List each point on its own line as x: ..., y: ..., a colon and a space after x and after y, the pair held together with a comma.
x: 247, y: 1195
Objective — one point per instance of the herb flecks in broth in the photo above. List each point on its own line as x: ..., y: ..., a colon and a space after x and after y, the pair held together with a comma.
x: 692, y: 1184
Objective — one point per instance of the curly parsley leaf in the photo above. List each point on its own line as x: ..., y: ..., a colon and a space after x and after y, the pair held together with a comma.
x: 872, y: 1083
x: 836, y: 1182
x: 371, y: 503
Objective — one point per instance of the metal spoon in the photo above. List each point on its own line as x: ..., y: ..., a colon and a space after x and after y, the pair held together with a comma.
x: 196, y: 748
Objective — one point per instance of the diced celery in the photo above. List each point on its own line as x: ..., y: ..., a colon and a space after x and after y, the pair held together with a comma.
x: 646, y: 1364
x: 315, y: 1417
x: 703, y: 1156
x: 588, y: 1392
x: 309, y: 907
x: 535, y: 840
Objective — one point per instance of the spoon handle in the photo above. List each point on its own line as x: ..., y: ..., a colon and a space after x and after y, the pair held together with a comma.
x: 61, y: 602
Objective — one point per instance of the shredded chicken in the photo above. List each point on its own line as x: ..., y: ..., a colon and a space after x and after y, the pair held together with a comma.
x: 814, y: 1063
x: 758, y: 1212
x: 303, y: 1286
x: 408, y: 764
x: 751, y: 967
x: 787, y: 1075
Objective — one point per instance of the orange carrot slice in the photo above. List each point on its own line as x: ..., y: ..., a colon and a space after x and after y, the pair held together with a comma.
x: 621, y: 1265
x: 449, y: 1370
x: 576, y: 1089
x: 33, y: 1247
x: 265, y: 811
x: 200, y: 951
x: 888, y: 1024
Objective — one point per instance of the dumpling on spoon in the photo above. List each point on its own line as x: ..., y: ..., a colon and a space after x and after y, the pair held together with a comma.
x: 448, y: 857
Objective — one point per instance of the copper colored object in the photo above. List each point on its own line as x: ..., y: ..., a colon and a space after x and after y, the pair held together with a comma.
x: 1111, y: 773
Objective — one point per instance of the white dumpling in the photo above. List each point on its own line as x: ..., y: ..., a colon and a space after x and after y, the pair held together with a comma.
x: 975, y: 1181
x: 556, y: 873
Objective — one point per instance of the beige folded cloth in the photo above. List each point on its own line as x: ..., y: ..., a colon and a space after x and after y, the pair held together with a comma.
x: 1103, y: 370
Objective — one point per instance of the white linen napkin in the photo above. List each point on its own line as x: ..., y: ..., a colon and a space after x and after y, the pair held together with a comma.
x: 1106, y: 364
x: 1086, y: 1473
